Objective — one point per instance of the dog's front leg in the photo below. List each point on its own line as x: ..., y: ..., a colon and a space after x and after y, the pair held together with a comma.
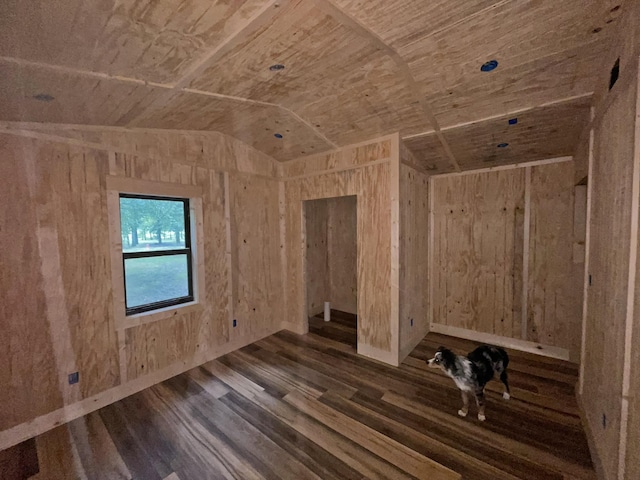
x: 480, y: 403
x: 465, y: 404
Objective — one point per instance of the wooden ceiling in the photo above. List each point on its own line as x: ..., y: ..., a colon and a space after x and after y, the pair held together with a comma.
x: 534, y: 134
x: 354, y: 69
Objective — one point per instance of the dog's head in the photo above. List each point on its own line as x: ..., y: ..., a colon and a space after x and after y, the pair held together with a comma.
x: 443, y: 359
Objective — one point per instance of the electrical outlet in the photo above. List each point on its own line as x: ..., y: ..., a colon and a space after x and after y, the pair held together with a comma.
x: 235, y: 323
x: 74, y: 378
x: 412, y: 322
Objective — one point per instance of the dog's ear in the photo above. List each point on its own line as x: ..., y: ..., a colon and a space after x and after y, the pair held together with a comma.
x: 448, y: 357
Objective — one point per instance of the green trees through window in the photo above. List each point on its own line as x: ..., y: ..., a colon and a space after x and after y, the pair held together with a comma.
x: 149, y: 223
x: 156, y: 251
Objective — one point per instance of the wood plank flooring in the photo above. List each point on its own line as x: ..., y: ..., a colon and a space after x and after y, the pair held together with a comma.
x: 308, y: 407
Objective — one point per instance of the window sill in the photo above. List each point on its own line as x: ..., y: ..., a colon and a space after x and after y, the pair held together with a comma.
x: 158, y: 315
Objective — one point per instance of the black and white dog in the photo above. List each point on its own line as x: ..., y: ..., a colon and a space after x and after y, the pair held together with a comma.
x: 473, y: 372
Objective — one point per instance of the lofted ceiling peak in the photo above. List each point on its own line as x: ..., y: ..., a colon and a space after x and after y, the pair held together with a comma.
x: 349, y: 70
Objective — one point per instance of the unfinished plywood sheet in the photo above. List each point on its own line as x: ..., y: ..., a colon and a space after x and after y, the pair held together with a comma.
x: 342, y: 249
x: 20, y: 319
x: 581, y: 159
x: 211, y: 150
x: 622, y: 48
x: 157, y: 41
x: 610, y: 236
x: 374, y: 260
x: 549, y: 60
x: 256, y: 274
x: 503, y: 255
x: 338, y: 159
x: 501, y: 32
x: 554, y: 303
x: 30, y: 94
x: 408, y: 27
x: 537, y: 134
x: 478, y: 222
x: 414, y: 258
x: 317, y: 255
x: 353, y: 70
x: 255, y: 124
x: 567, y: 74
x: 632, y: 468
x: 158, y: 345
x: 429, y: 154
x: 56, y: 206
x: 402, y: 22
x: 324, y: 71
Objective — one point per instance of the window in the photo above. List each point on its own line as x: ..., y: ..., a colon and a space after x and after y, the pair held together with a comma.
x: 156, y: 252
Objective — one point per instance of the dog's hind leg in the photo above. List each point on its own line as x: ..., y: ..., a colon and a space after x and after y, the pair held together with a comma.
x: 465, y: 404
x: 504, y: 378
x: 480, y: 403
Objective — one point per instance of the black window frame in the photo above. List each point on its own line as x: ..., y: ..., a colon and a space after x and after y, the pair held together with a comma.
x: 161, y: 253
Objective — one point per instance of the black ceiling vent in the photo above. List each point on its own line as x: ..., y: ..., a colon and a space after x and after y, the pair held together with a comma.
x: 615, y: 73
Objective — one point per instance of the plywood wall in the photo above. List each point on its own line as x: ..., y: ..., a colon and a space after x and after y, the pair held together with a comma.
x: 478, y: 228
x: 414, y: 255
x: 342, y: 245
x: 364, y: 171
x: 56, y: 289
x: 612, y: 200
x: 317, y: 252
x: 503, y: 254
x: 610, y: 223
x: 609, y: 376
x: 554, y: 284
x: 632, y: 360
x: 53, y: 228
x: 256, y: 263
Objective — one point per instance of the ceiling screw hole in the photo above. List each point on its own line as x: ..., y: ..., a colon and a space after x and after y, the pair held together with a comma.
x: 44, y: 97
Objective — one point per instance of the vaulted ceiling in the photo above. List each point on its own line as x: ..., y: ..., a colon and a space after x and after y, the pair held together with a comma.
x: 353, y: 70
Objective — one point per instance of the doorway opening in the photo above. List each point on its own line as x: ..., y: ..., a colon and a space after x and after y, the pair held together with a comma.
x: 331, y: 268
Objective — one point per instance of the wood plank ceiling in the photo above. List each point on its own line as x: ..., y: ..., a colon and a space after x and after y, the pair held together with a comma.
x: 353, y: 70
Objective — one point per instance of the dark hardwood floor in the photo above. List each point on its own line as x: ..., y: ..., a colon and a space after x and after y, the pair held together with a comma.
x: 308, y: 407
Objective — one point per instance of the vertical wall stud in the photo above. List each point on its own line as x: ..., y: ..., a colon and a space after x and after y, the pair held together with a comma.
x: 525, y: 251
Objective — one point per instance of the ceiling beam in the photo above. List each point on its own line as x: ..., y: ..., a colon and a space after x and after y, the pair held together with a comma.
x: 330, y: 8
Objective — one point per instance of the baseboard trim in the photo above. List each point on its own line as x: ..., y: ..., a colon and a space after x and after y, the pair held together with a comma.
x: 39, y: 425
x: 515, y: 344
x: 595, y: 458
